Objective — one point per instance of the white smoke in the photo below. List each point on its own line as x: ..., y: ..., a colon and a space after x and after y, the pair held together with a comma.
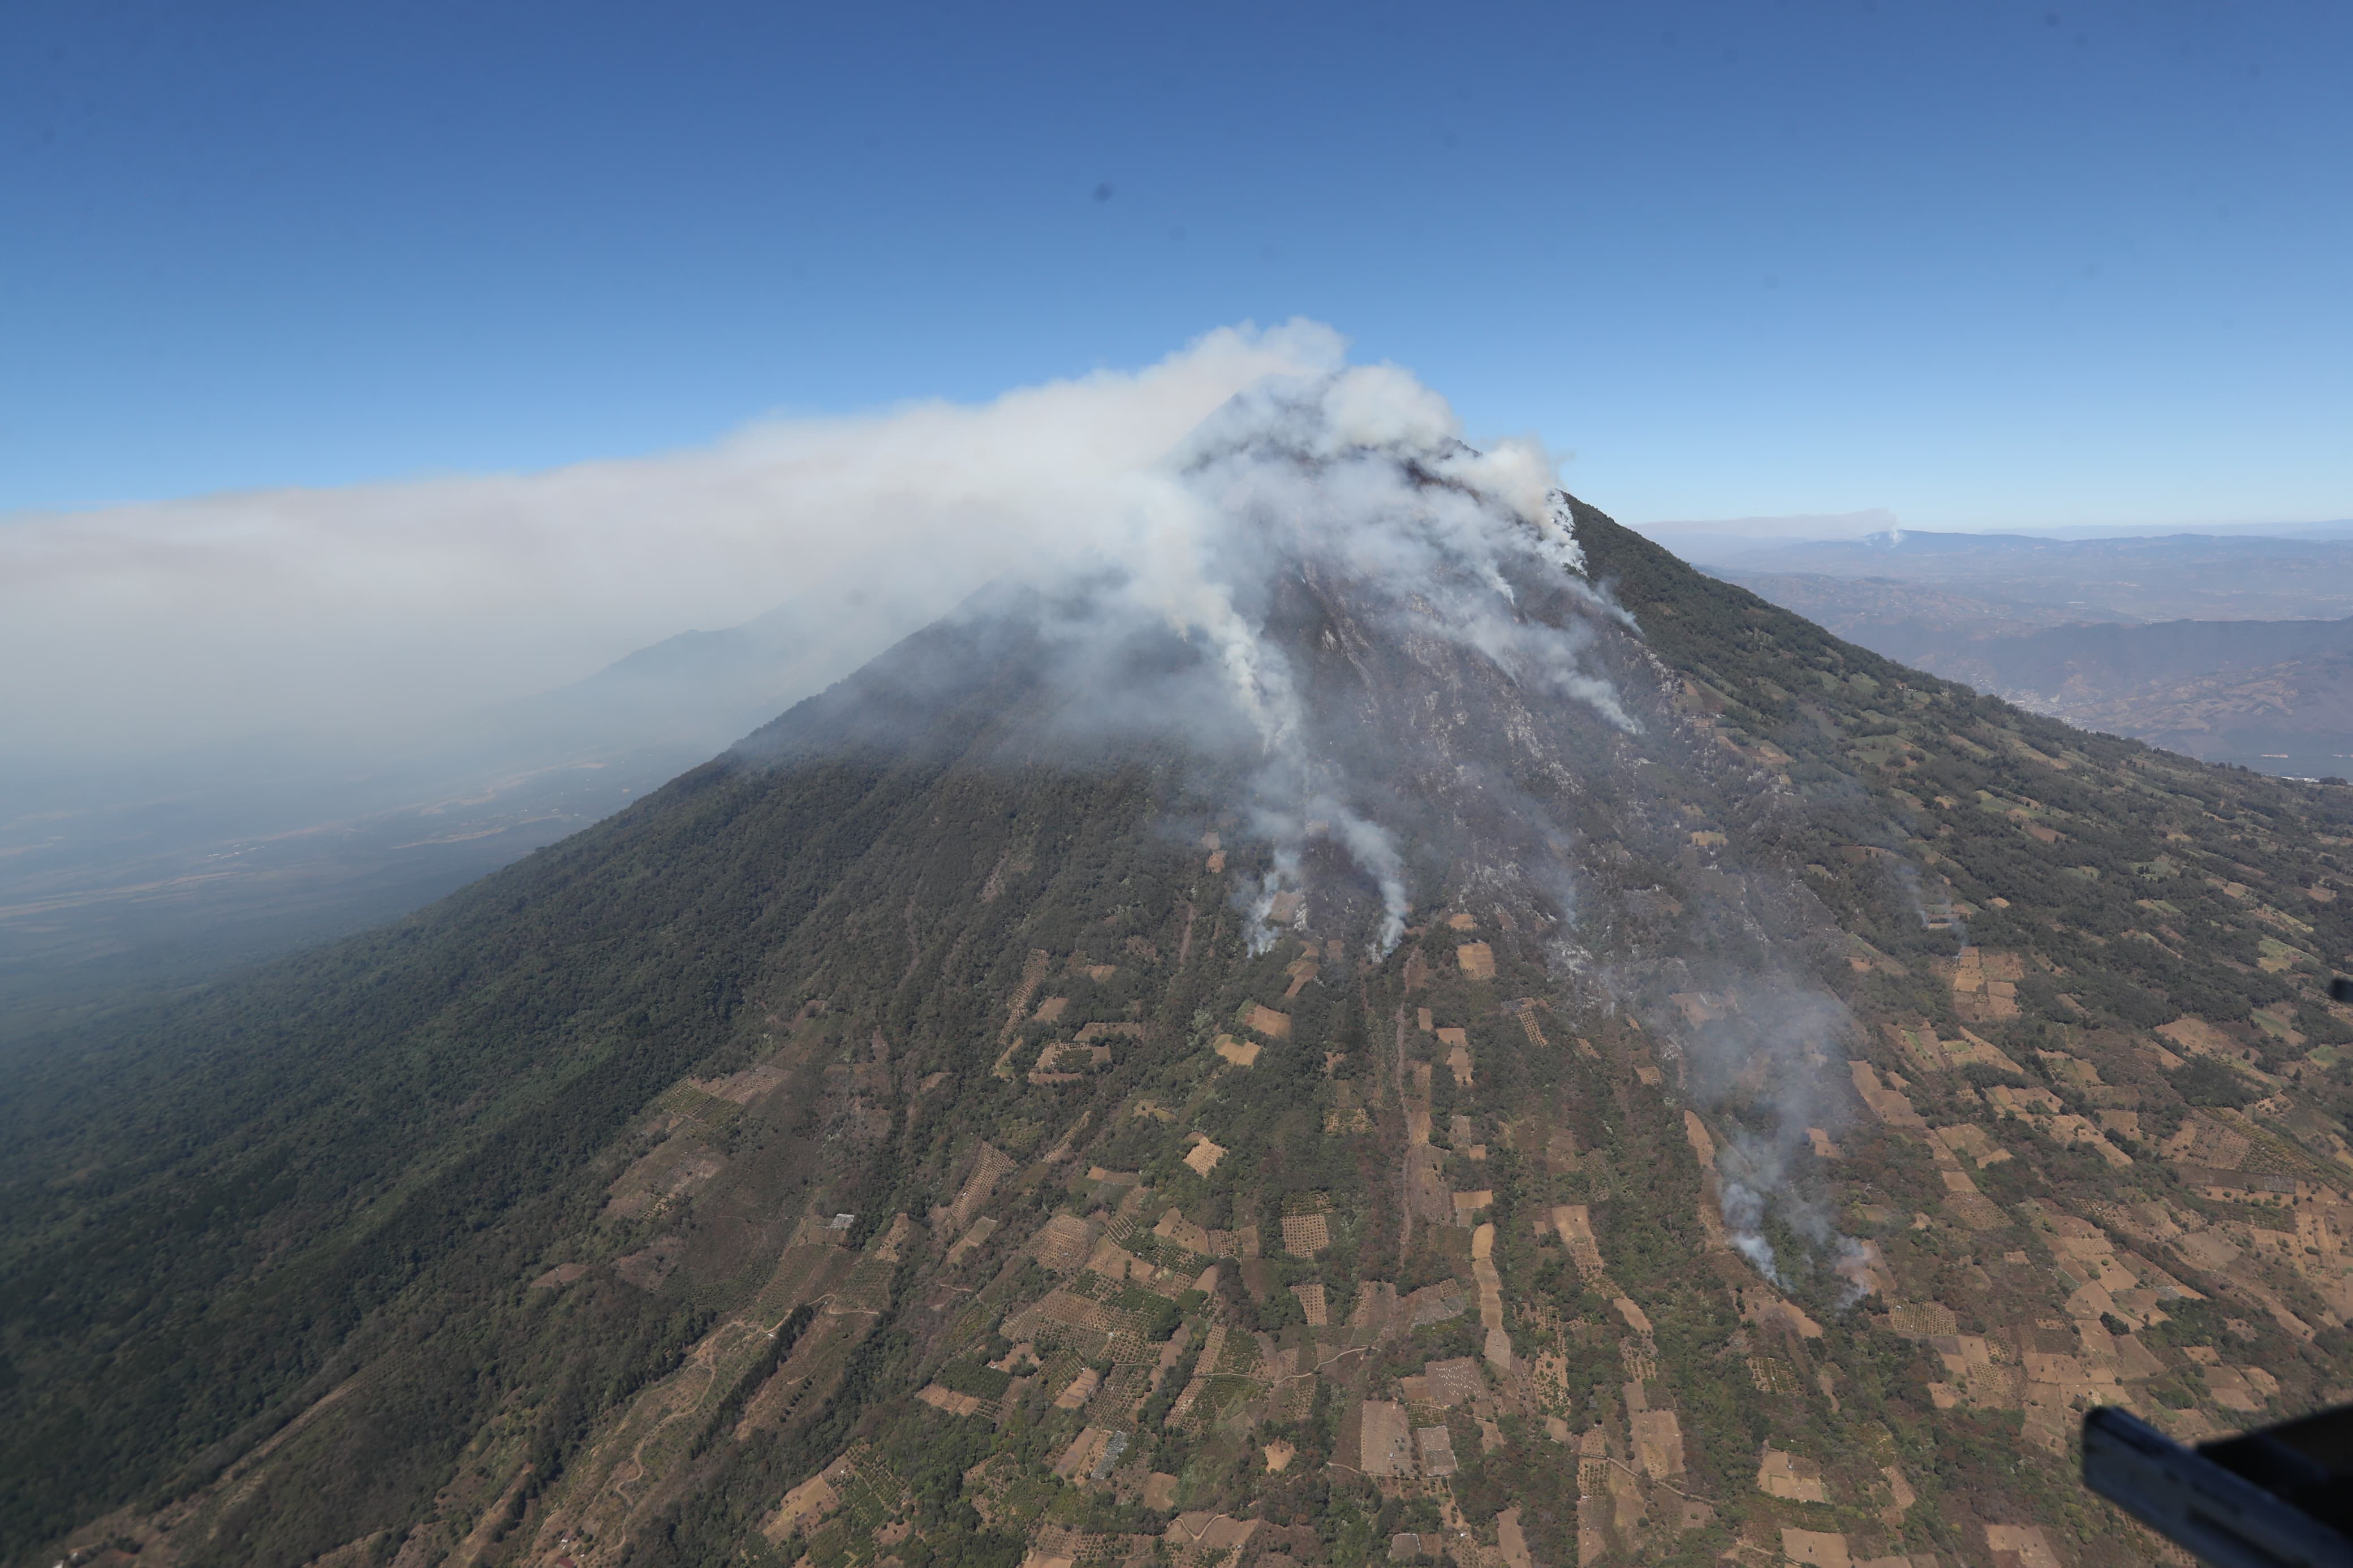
x: 1754, y: 1178
x: 1763, y: 1065
x: 1743, y: 1207
x: 1362, y: 473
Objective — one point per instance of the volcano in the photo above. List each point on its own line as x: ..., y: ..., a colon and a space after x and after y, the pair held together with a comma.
x: 1384, y: 1017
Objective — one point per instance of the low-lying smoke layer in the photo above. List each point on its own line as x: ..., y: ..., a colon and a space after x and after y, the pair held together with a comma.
x: 144, y: 628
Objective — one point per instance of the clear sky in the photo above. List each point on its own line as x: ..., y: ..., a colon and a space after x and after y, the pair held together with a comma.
x: 1978, y: 263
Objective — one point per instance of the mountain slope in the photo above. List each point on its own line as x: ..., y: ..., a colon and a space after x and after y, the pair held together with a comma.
x: 508, y: 1233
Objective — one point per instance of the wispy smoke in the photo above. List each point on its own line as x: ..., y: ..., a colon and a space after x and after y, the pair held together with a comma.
x: 1743, y: 1207
x: 1219, y: 501
x: 1754, y: 1179
x: 1765, y: 1063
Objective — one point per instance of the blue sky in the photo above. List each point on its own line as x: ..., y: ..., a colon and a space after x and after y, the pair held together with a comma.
x: 1982, y: 264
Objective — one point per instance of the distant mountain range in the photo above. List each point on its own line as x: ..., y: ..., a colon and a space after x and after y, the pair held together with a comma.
x: 2185, y: 576
x: 2086, y: 659
x: 2275, y: 696
x: 1737, y: 542
x: 2232, y: 650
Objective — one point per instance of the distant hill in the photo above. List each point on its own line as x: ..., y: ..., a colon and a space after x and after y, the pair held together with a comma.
x: 2294, y: 718
x: 1741, y: 543
x: 1590, y: 1069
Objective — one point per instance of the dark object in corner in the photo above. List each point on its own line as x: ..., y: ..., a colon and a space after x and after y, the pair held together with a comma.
x: 2341, y: 990
x: 2280, y: 1497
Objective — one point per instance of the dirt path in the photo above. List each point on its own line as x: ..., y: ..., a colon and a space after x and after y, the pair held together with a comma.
x: 703, y: 1358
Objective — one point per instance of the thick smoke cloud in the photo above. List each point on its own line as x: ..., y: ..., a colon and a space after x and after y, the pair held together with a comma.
x: 143, y: 629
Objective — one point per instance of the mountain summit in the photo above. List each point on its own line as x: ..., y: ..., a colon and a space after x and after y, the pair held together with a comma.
x: 1377, y: 1015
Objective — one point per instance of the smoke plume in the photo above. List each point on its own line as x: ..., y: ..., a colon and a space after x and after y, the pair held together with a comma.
x: 1213, y: 504
x: 1361, y: 477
